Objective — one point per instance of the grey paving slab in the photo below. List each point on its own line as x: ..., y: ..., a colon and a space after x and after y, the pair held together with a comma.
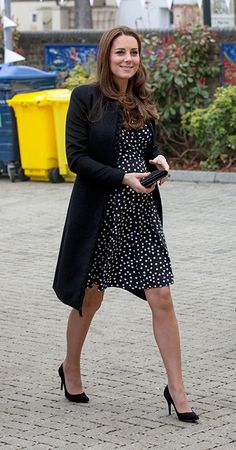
x: 203, y: 176
x: 122, y: 370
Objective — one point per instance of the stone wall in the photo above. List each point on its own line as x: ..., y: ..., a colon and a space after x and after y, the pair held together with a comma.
x: 33, y: 42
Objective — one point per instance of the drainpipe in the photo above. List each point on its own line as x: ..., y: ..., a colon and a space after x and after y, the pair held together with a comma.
x: 206, y: 5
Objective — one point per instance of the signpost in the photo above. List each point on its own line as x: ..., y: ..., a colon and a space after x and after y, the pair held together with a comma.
x: 7, y: 30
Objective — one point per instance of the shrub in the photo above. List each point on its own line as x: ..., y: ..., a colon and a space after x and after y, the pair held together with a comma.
x: 180, y: 69
x: 82, y: 74
x: 214, y: 129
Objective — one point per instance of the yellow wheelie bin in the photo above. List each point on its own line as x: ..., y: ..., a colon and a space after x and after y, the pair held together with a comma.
x: 41, y: 118
x: 58, y: 100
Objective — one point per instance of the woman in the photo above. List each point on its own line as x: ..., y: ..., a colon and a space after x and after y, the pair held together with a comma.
x: 113, y: 233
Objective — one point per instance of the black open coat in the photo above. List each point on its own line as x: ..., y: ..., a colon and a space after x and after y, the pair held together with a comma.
x: 90, y: 148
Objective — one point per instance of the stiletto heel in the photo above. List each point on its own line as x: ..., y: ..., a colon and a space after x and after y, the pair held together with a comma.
x: 169, y: 406
x: 77, y: 398
x: 186, y: 416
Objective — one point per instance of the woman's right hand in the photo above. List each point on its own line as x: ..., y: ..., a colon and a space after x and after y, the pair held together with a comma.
x: 133, y: 180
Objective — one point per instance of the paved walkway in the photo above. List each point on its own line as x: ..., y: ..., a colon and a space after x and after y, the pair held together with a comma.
x: 122, y: 371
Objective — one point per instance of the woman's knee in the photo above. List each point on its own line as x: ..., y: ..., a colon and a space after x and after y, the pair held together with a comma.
x: 160, y: 299
x: 93, y: 299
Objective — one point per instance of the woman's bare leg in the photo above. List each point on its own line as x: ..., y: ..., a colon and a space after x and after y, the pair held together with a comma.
x: 166, y: 332
x: 77, y: 329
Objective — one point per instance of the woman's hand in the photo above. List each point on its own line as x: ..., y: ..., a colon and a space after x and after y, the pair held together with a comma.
x: 133, y: 180
x: 161, y: 164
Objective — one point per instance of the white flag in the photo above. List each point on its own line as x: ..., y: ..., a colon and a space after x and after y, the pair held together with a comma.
x: 169, y: 3
x: 2, y: 6
x: 91, y: 2
x: 199, y: 2
x: 8, y: 23
x: 10, y: 56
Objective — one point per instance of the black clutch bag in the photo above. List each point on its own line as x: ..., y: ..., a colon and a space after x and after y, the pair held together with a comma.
x: 154, y: 177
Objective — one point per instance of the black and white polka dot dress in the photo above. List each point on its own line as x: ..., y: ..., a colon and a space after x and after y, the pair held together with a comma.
x: 131, y: 251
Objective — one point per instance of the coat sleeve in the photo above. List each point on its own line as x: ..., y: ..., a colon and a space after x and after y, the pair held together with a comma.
x: 156, y: 151
x: 77, y: 143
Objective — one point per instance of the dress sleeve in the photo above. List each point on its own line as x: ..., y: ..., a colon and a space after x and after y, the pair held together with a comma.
x: 77, y: 142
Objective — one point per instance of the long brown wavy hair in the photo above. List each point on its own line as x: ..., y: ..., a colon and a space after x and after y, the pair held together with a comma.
x: 137, y: 106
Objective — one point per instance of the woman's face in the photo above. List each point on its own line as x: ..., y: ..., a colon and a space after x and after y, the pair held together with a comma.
x: 124, y: 59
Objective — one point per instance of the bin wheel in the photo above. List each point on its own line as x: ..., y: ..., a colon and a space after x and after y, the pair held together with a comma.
x: 11, y: 170
x: 54, y: 176
x: 21, y: 175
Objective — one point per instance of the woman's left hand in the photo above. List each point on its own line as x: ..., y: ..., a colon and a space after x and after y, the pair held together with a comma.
x: 161, y: 164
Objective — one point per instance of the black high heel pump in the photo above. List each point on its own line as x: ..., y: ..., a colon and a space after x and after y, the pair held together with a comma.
x: 77, y: 398
x: 186, y: 416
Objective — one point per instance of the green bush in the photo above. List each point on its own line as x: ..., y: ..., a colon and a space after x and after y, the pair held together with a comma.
x: 214, y: 129
x: 180, y: 67
x: 82, y: 74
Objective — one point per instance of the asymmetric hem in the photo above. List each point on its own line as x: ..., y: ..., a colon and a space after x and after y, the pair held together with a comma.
x: 131, y: 251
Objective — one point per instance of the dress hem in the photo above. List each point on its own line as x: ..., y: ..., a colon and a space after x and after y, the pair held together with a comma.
x: 127, y: 288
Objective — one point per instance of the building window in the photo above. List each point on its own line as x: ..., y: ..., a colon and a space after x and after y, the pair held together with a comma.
x: 34, y: 17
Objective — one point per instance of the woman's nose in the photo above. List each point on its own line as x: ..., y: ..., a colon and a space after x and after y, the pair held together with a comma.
x: 127, y: 56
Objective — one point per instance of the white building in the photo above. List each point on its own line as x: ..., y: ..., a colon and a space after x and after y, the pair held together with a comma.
x: 144, y: 14
x: 222, y: 13
x: 37, y: 15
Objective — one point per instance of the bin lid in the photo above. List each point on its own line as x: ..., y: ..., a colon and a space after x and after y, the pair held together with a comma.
x: 41, y: 98
x: 11, y: 72
x: 56, y: 96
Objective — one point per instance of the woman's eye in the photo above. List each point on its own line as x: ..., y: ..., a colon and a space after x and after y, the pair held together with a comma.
x: 122, y: 52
